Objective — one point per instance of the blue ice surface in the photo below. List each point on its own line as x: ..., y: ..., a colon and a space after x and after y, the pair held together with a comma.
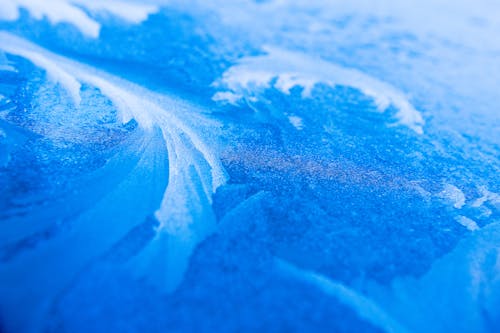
x: 267, y: 166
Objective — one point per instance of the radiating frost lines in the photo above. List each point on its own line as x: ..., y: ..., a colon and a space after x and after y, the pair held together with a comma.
x: 192, y: 163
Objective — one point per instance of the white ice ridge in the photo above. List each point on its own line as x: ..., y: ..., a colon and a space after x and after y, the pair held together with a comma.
x: 285, y: 69
x: 70, y: 11
x: 467, y: 222
x: 453, y: 195
x: 464, y: 283
x: 195, y: 172
x: 362, y: 305
x: 487, y: 196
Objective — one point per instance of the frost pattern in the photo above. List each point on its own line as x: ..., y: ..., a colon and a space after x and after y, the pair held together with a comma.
x: 364, y: 306
x: 292, y: 69
x: 70, y: 11
x: 185, y: 215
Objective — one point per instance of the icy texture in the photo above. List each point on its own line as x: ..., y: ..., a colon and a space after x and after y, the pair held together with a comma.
x: 185, y: 216
x: 249, y: 166
x: 70, y: 11
x: 297, y: 70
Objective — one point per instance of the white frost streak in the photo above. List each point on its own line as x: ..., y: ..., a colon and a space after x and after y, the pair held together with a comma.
x: 56, y: 11
x: 296, y: 122
x: 67, y: 11
x: 130, y: 105
x: 487, y: 196
x: 464, y: 283
x: 54, y: 72
x: 364, y: 307
x: 453, y: 195
x: 467, y: 222
x: 194, y: 170
x: 285, y: 69
x: 131, y: 12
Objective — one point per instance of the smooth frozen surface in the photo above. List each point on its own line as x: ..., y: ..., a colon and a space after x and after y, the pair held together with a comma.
x: 249, y: 166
